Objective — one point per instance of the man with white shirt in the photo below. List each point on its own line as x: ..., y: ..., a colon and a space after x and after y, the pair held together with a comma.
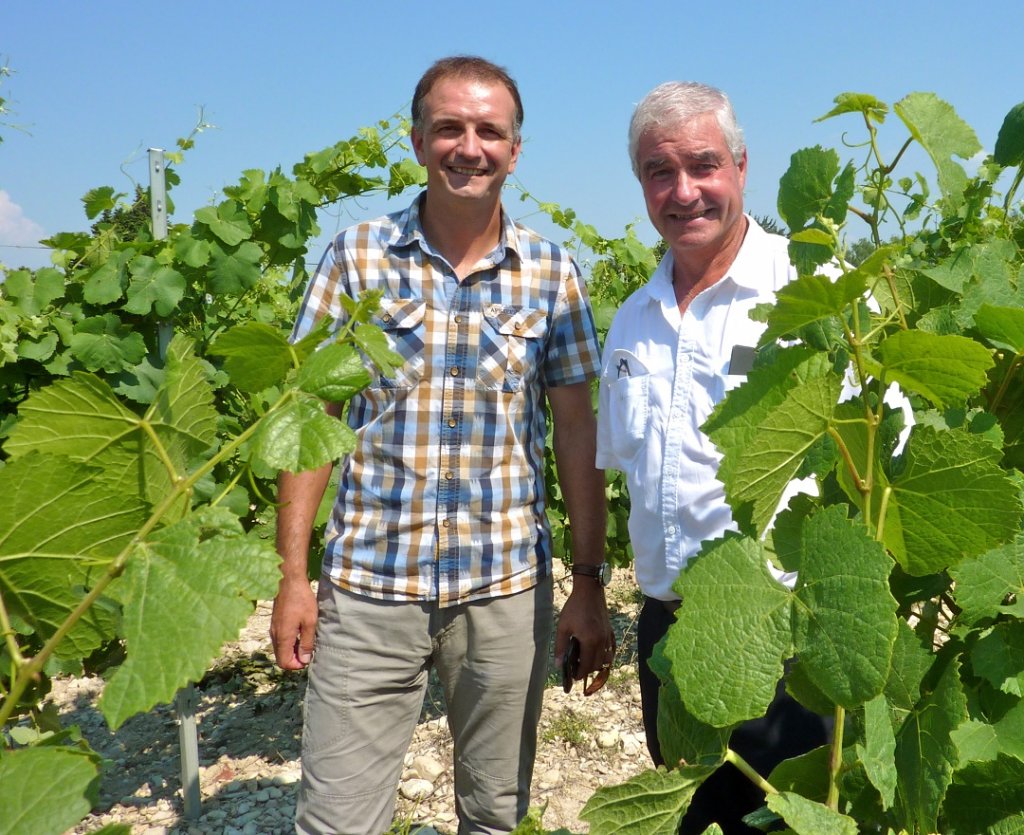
x: 676, y: 346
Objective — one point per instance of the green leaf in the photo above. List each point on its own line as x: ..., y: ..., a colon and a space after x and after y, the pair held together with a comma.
x: 45, y: 790
x: 334, y: 373
x: 943, y: 134
x: 925, y: 752
x: 1010, y: 142
x: 652, y: 803
x: 727, y: 668
x: 59, y: 528
x: 976, y: 742
x: 809, y: 299
x: 805, y: 817
x: 998, y: 657
x: 228, y: 222
x: 806, y: 187
x: 910, y: 663
x: 106, y: 284
x: 232, y: 273
x: 759, y: 472
x: 684, y: 739
x: 257, y: 356
x: 813, y: 236
x: 843, y: 590
x: 179, y: 569
x: 193, y: 252
x: 372, y: 340
x: 953, y: 499
x: 98, y: 200
x: 946, y: 369
x: 986, y: 797
x: 153, y: 287
x: 878, y: 753
x: 301, y: 436
x: 185, y: 400
x: 1002, y: 326
x: 991, y: 584
x: 104, y: 343
x: 857, y: 103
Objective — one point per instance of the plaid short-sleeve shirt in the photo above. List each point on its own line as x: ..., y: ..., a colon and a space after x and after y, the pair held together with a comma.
x: 443, y: 497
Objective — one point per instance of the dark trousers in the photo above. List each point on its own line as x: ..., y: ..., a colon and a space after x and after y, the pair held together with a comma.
x: 787, y: 730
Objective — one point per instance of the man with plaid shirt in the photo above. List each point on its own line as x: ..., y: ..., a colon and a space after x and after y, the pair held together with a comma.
x: 438, y: 553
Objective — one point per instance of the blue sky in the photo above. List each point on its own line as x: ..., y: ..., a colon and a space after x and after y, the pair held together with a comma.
x: 94, y: 84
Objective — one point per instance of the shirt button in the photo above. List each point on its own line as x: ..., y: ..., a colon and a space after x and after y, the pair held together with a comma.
x: 452, y: 422
x: 671, y: 530
x: 455, y: 371
x: 458, y: 320
x: 386, y: 317
x: 449, y: 475
x: 444, y: 523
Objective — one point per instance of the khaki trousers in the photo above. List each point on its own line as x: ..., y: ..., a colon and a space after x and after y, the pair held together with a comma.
x: 366, y: 686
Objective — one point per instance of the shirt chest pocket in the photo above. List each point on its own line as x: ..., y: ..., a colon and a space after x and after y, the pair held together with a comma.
x: 629, y: 414
x: 402, y: 321
x: 511, y: 344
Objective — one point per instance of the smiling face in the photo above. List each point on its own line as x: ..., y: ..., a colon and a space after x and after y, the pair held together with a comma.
x: 693, y: 189
x: 467, y: 140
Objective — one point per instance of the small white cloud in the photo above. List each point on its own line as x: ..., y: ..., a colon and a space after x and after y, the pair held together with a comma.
x: 15, y: 228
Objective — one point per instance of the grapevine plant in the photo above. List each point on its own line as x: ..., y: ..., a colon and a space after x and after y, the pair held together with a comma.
x: 148, y: 393
x: 906, y: 621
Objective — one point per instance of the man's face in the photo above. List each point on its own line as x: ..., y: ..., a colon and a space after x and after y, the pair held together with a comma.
x: 466, y: 143
x: 692, y: 187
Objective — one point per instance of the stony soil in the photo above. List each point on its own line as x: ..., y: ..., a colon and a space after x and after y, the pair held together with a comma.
x: 250, y: 719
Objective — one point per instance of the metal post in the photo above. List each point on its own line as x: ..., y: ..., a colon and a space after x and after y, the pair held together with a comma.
x: 185, y: 700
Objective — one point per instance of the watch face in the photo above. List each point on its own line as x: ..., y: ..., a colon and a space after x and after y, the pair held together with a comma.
x: 606, y: 574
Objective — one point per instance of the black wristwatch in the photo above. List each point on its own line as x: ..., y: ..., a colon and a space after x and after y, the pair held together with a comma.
x: 601, y: 573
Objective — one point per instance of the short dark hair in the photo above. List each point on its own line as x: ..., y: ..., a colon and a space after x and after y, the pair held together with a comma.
x: 471, y: 68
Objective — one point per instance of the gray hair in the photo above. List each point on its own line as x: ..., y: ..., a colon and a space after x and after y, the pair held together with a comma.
x: 677, y: 102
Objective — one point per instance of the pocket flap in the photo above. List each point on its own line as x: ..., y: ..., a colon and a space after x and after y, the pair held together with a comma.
x: 516, y: 321
x: 400, y: 314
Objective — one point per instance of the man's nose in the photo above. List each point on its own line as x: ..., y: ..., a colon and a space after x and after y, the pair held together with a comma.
x: 686, y: 189
x: 470, y: 144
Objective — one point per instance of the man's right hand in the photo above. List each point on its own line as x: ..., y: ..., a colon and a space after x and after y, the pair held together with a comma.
x: 293, y: 624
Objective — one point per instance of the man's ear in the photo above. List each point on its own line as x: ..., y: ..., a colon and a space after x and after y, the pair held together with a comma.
x: 417, y: 145
x: 517, y: 146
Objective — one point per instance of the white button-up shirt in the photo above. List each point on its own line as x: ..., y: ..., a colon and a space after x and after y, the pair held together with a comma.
x: 663, y: 373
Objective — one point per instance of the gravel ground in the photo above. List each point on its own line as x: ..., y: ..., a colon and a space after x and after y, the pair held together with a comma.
x: 249, y: 719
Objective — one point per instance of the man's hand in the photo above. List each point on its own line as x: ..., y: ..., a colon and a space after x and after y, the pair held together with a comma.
x: 293, y: 624
x: 585, y: 615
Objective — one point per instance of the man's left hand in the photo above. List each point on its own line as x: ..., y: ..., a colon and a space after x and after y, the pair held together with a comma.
x: 585, y: 615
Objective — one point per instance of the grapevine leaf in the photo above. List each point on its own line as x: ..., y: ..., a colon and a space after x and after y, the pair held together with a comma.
x: 727, y: 669
x: 153, y: 287
x: 976, y: 742
x: 301, y: 436
x: 953, y: 499
x: 945, y: 368
x: 986, y: 797
x: 759, y: 473
x: 805, y: 817
x: 257, y: 356
x: 809, y: 299
x: 334, y: 373
x: 684, y: 740
x: 1002, y: 326
x: 106, y: 284
x: 806, y: 187
x: 46, y: 789
x: 227, y: 222
x: 104, y: 343
x: 319, y: 334
x: 193, y: 252
x: 232, y: 273
x: 100, y: 199
x: 998, y: 657
x: 925, y: 752
x: 991, y: 584
x: 943, y: 134
x: 373, y: 341
x: 910, y: 663
x: 59, y: 527
x: 185, y: 400
x: 857, y: 103
x: 878, y: 753
x: 177, y: 570
x: 843, y: 590
x: 806, y: 774
x: 652, y: 803
x: 1009, y: 148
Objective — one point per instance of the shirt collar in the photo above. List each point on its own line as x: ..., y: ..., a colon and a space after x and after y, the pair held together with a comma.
x: 410, y: 230
x: 746, y: 270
